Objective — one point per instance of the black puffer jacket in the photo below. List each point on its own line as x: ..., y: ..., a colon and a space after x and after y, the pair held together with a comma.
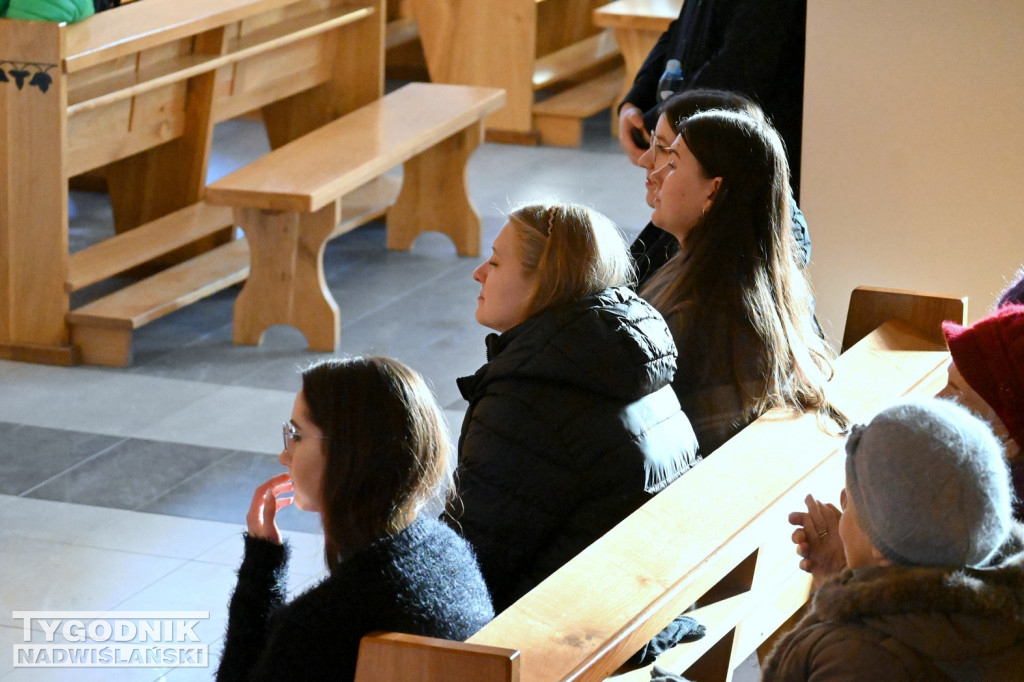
x: 572, y: 425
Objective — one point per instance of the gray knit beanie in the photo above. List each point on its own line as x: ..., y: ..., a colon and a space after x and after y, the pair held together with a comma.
x: 929, y: 484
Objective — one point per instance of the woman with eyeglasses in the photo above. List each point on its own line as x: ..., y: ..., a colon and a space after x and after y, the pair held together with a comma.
x: 734, y: 296
x: 572, y: 423
x: 366, y: 448
x: 653, y: 247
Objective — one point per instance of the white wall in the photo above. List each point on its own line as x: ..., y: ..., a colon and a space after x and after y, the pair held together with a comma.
x: 913, y: 148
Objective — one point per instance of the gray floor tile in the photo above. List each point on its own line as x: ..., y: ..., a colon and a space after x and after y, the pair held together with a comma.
x: 128, y: 475
x: 30, y: 455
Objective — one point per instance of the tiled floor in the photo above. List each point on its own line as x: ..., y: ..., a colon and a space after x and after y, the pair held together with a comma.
x: 126, y: 489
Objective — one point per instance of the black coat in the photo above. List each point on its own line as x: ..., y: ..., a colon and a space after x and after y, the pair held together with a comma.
x: 422, y: 580
x: 572, y: 425
x: 755, y: 47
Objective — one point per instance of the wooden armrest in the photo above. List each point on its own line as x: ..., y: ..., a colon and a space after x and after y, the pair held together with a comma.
x: 395, y: 657
x: 870, y: 307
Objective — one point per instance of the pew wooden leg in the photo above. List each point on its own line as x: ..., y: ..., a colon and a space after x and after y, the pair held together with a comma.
x: 33, y: 200
x: 286, y: 278
x: 434, y: 196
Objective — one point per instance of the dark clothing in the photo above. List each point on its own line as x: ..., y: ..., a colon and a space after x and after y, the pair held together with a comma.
x: 898, y: 623
x: 571, y: 426
x: 754, y: 47
x: 713, y: 357
x: 653, y: 247
x: 422, y: 581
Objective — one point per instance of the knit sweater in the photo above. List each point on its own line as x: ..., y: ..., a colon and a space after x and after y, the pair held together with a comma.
x: 423, y: 580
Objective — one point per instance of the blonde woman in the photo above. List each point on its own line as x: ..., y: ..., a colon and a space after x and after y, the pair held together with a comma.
x: 572, y: 423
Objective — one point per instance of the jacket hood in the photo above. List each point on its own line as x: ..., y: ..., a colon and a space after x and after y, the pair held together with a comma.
x: 611, y: 343
x: 944, y: 614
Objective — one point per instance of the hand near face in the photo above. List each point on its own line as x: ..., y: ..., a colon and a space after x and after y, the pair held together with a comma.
x: 631, y: 119
x: 817, y: 540
x: 261, y: 520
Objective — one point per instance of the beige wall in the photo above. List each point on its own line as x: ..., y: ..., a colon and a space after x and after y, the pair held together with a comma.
x: 913, y: 148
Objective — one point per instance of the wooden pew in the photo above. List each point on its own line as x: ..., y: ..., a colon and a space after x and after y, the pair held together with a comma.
x: 637, y: 25
x: 717, y: 538
x: 526, y: 47
x: 288, y: 201
x: 136, y: 91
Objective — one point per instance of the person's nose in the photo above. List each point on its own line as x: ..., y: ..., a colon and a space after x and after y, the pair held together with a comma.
x: 647, y: 159
x: 285, y: 458
x: 478, y: 274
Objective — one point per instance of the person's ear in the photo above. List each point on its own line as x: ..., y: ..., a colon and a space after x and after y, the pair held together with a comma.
x: 716, y: 183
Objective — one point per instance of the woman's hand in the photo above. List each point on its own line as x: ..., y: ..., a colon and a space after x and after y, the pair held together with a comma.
x: 817, y: 540
x: 264, y: 506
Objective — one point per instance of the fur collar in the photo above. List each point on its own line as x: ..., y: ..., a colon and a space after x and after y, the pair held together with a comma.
x: 993, y: 591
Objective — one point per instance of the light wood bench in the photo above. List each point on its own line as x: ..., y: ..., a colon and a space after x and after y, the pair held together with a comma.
x: 289, y: 202
x: 135, y: 92
x: 637, y: 25
x: 529, y: 48
x: 718, y: 538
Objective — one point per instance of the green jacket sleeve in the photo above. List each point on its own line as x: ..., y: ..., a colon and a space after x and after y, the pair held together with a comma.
x: 50, y: 10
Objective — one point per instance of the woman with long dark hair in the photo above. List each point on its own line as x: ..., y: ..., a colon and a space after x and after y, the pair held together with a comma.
x: 734, y: 296
x: 366, y: 447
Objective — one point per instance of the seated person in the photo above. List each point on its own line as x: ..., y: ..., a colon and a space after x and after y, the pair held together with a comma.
x: 986, y: 375
x: 653, y: 247
x: 734, y: 297
x: 365, y: 448
x: 933, y: 574
x: 755, y: 47
x: 572, y: 423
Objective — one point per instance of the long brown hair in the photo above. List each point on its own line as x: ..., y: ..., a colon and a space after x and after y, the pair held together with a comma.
x: 737, y: 261
x: 387, y: 448
x: 571, y: 251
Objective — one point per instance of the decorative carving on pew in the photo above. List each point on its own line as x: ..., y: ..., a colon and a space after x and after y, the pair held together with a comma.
x: 19, y: 72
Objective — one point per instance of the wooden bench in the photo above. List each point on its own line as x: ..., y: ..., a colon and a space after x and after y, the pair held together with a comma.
x: 134, y: 93
x: 531, y: 48
x: 288, y: 201
x: 637, y: 25
x: 717, y: 538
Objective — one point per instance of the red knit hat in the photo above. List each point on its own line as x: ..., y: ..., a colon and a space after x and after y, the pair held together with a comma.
x: 990, y: 356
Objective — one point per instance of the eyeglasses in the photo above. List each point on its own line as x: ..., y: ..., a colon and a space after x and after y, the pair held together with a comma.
x: 655, y: 149
x: 290, y: 434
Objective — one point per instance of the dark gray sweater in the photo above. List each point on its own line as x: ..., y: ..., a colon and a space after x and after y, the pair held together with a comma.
x: 423, y: 581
